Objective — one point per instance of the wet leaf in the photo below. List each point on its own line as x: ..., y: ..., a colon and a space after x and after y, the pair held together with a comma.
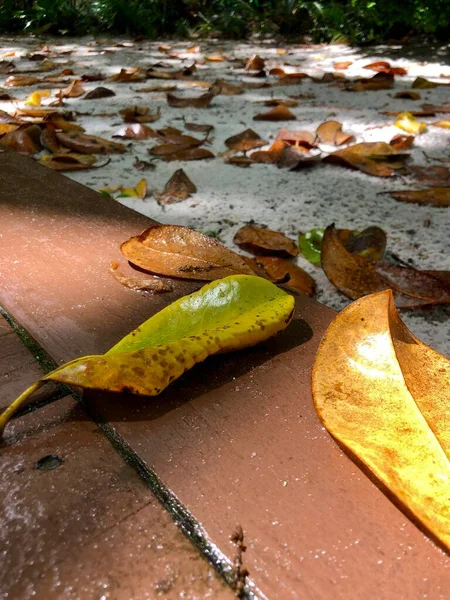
x: 202, y: 101
x: 373, y: 158
x: 136, y: 131
x: 420, y: 83
x: 383, y: 394
x: 284, y: 271
x: 279, y: 113
x: 255, y: 63
x: 68, y: 161
x: 297, y: 159
x: 229, y: 314
x: 178, y: 251
x: 178, y: 188
x: 271, y: 156
x: 409, y: 123
x: 99, y: 92
x: 214, y: 58
x: 20, y: 80
x: 438, y: 196
x: 310, y: 244
x: 330, y: 132
x: 259, y: 240
x: 89, y: 144
x: 247, y: 140
x: 139, y: 114
x: 408, y: 95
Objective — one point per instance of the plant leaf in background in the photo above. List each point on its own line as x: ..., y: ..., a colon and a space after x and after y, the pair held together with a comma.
x: 384, y: 395
x: 310, y: 245
x: 228, y: 314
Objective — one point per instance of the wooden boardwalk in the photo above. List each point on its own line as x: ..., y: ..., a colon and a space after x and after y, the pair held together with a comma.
x: 235, y: 441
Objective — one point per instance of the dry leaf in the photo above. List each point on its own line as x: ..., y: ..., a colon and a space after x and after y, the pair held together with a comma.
x: 131, y: 74
x: 99, y: 92
x: 438, y: 196
x: 342, y: 66
x: 170, y: 152
x: 370, y: 243
x: 279, y: 113
x: 330, y: 132
x: 402, y: 142
x: 443, y: 124
x: 382, y: 66
x: 25, y: 140
x: 412, y: 282
x: 247, y: 140
x: 295, y: 158
x: 20, y: 80
x: 409, y: 123
x: 259, y: 240
x: 199, y: 127
x: 74, y: 90
x: 280, y: 270
x: 283, y: 101
x: 435, y: 176
x: 214, y: 58
x: 35, y: 98
x: 432, y: 108
x: 140, y: 191
x: 49, y: 140
x: 380, y: 81
x: 178, y: 251
x: 300, y: 139
x: 238, y: 161
x: 225, y: 88
x: 271, y: 156
x: 373, y: 158
x: 89, y: 144
x: 68, y: 161
x: 136, y: 131
x: 139, y: 114
x: 408, y: 95
x: 200, y: 102
x: 420, y: 83
x: 173, y: 136
x: 255, y: 63
x: 383, y: 394
x: 178, y: 188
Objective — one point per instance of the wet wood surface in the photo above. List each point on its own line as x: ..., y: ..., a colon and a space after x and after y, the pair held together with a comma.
x: 236, y: 440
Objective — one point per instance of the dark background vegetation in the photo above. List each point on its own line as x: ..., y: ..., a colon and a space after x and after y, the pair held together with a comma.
x: 354, y: 21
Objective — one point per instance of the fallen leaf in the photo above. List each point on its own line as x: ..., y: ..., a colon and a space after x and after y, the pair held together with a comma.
x: 225, y: 88
x: 68, y: 161
x: 178, y: 251
x: 172, y: 136
x: 7, y: 128
x: 279, y: 113
x: 291, y: 79
x: 140, y: 191
x: 259, y: 240
x: 247, y: 140
x: 283, y: 101
x: 402, y: 142
x: 380, y: 81
x: 420, y: 83
x: 89, y: 144
x: 255, y: 63
x: 281, y: 270
x: 300, y: 139
x: 143, y: 165
x: 382, y: 66
x: 330, y: 132
x: 271, y: 156
x: 136, y: 131
x: 373, y: 158
x: 230, y: 314
x: 310, y: 244
x: 238, y: 161
x: 99, y: 92
x: 170, y: 152
x: 139, y: 114
x: 199, y: 127
x: 435, y: 176
x: 409, y: 123
x: 382, y: 394
x: 408, y: 95
x: 214, y: 58
x: 432, y: 108
x: 126, y: 75
x: 296, y: 158
x: 443, y: 124
x: 343, y: 65
x: 412, y: 282
x: 24, y: 140
x: 74, y: 90
x: 370, y: 243
x: 20, y: 80
x: 432, y: 196
x: 49, y: 140
x: 202, y: 101
x: 178, y: 188
x: 35, y: 98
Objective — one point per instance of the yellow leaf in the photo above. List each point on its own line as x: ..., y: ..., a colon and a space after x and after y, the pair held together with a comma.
x: 141, y: 188
x: 384, y: 395
x: 409, y: 123
x: 228, y: 314
x: 35, y: 98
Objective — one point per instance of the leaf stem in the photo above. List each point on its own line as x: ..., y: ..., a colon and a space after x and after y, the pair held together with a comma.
x: 15, y: 405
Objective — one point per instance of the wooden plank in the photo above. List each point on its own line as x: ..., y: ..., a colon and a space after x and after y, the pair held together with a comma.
x: 237, y: 439
x: 90, y: 528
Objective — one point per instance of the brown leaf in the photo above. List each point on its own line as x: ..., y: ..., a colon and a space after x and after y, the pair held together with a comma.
x: 173, y: 137
x: 280, y: 270
x: 214, y: 58
x: 432, y: 108
x: 283, y: 101
x: 170, y: 152
x: 238, y: 161
x: 259, y: 240
x: 247, y: 140
x: 434, y: 176
x: 272, y: 155
x: 255, y: 63
x: 402, y: 141
x: 200, y: 102
x: 68, y: 161
x: 372, y: 158
x: 158, y: 88
x: 143, y: 165
x: 295, y: 159
x: 155, y: 285
x: 99, y: 92
x: 443, y: 124
x: 49, y: 140
x: 91, y: 77
x: 300, y: 139
x: 279, y: 113
x: 73, y: 90
x: 25, y: 140
x: 382, y: 66
x: 7, y: 128
x: 412, y: 282
x: 20, y: 80
x: 330, y: 132
x: 342, y: 66
x: 225, y: 88
x: 380, y: 81
x: 433, y: 196
x: 89, y: 144
x: 178, y: 251
x: 370, y: 243
x: 408, y: 95
x: 199, y: 127
x: 178, y: 188
x: 136, y: 131
x: 139, y: 114
x: 126, y: 75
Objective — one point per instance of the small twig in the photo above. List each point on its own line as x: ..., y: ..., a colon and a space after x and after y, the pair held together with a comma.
x: 240, y: 572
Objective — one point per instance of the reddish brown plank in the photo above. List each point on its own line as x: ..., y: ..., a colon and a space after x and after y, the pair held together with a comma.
x: 89, y: 528
x: 236, y: 439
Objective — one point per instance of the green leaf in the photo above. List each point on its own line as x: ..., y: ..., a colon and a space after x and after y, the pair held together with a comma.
x: 228, y: 314
x: 310, y: 244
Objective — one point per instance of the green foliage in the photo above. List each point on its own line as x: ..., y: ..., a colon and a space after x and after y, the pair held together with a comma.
x: 358, y: 21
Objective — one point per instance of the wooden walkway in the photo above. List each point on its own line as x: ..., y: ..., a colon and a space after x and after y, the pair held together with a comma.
x: 235, y: 441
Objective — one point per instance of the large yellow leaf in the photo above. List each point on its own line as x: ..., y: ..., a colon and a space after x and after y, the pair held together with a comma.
x: 228, y: 314
x: 385, y: 396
